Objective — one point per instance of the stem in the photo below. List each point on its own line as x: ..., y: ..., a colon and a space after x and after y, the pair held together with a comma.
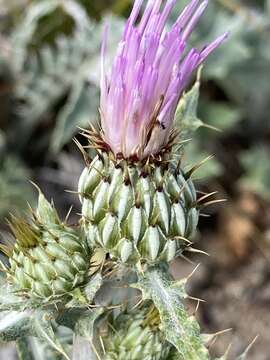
x: 22, y: 346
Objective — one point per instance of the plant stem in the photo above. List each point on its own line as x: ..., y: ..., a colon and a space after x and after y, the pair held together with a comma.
x: 22, y: 346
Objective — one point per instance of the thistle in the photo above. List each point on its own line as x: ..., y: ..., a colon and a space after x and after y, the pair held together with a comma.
x: 137, y: 202
x: 139, y: 211
x: 49, y: 259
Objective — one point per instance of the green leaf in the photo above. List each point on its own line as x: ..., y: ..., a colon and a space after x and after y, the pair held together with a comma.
x: 93, y: 286
x: 186, y: 119
x: 85, y: 329
x: 42, y: 350
x: 221, y: 115
x: 180, y: 329
x: 80, y: 110
x: 23, y: 34
x: 63, y: 71
x: 82, y: 349
x: 257, y: 170
x: 15, y: 324
x: 42, y: 327
x: 15, y: 188
x: 84, y: 326
x: 9, y: 300
x: 82, y: 322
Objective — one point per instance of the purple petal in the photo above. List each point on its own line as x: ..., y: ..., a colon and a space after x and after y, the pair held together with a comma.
x: 149, y: 66
x: 194, y: 20
x: 210, y: 48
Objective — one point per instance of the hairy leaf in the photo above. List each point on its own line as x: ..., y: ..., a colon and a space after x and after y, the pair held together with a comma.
x: 80, y: 110
x: 186, y: 119
x: 15, y: 189
x: 43, y: 329
x: 180, y: 329
x: 15, y: 324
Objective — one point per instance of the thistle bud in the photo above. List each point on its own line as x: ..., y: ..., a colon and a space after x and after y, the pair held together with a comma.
x: 49, y: 259
x: 136, y: 335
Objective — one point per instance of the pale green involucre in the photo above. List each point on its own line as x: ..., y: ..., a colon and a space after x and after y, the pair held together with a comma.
x: 137, y: 212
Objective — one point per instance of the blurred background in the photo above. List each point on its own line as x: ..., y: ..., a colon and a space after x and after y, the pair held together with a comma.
x: 49, y: 73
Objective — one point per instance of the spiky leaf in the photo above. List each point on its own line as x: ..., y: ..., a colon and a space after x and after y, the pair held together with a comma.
x: 180, y: 329
x: 186, y: 118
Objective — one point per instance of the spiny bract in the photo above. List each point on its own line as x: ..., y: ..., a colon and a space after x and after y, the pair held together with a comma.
x: 136, y: 336
x: 137, y: 210
x: 49, y: 259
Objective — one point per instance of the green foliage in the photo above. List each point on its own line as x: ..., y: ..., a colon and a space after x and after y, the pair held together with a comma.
x: 55, y: 87
x: 15, y: 189
x: 60, y: 70
x: 20, y: 319
x: 239, y: 70
x: 54, y: 83
x: 257, y: 170
x: 36, y: 349
x: 187, y: 120
x: 180, y: 329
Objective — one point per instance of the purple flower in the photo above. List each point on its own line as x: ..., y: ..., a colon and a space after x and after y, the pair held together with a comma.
x: 151, y: 69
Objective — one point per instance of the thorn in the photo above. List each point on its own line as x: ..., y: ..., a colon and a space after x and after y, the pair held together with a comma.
x: 211, y: 127
x: 250, y: 345
x: 196, y: 299
x: 94, y: 348
x: 228, y: 350
x: 36, y: 186
x: 197, y: 166
x: 204, y: 215
x: 74, y: 192
x: 140, y: 267
x: 201, y: 192
x: 211, y: 338
x: 196, y: 251
x: 102, y: 345
x: 86, y: 158
x: 182, y: 189
x: 212, y: 202
x: 153, y: 222
x: 137, y: 305
x: 206, y: 196
x: 3, y: 267
x: 182, y: 238
x: 68, y: 214
x: 193, y: 272
x: 197, y: 307
x: 187, y: 259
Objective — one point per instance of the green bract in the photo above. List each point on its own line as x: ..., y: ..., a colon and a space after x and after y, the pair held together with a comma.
x: 137, y: 211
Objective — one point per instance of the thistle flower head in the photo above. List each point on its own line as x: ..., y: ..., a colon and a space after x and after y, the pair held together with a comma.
x: 151, y: 69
